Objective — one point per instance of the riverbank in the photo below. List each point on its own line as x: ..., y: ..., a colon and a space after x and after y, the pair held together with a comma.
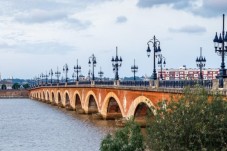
x: 8, y: 94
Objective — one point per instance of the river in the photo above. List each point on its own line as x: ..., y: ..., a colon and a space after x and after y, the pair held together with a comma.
x: 28, y: 125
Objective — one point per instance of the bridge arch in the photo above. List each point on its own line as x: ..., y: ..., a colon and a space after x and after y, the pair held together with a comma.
x: 40, y: 95
x: 52, y: 97
x: 112, y: 105
x: 76, y: 101
x: 139, y: 103
x: 91, y: 104
x: 59, y: 98
x: 44, y: 96
x: 48, y: 96
x: 66, y: 99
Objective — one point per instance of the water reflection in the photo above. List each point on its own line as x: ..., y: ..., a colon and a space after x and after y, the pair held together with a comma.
x: 30, y: 125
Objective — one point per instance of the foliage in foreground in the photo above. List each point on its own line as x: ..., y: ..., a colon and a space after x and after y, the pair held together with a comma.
x: 191, y: 123
x: 128, y: 138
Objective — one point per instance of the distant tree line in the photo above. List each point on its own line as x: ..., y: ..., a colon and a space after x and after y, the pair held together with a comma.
x: 18, y: 86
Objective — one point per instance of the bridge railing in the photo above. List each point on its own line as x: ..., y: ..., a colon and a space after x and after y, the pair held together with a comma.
x: 179, y: 84
x: 134, y: 83
x: 184, y: 83
x: 84, y: 82
x: 104, y: 82
x: 71, y: 83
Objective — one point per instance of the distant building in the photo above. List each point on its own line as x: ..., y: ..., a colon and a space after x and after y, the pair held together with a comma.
x: 6, y: 84
x: 184, y: 73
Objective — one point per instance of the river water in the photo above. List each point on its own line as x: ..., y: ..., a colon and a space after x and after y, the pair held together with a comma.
x: 28, y: 125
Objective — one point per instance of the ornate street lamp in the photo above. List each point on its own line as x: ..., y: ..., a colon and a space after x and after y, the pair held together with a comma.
x: 134, y: 69
x: 66, y: 69
x: 156, y: 46
x: 41, y: 77
x: 220, y: 45
x: 77, y: 69
x: 51, y: 75
x: 57, y: 74
x: 73, y: 76
x: 38, y: 79
x: 201, y: 61
x: 100, y: 73
x: 45, y: 76
x: 89, y: 75
x: 92, y: 60
x: 161, y: 61
x: 116, y: 63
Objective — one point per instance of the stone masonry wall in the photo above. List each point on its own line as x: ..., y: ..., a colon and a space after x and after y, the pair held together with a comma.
x: 14, y: 94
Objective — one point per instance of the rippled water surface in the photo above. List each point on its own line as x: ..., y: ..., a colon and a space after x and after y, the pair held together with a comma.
x: 28, y: 125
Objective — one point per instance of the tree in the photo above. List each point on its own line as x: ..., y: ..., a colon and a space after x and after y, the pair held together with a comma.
x: 128, y: 138
x: 4, y: 87
x: 26, y: 86
x: 194, y: 122
x: 16, y: 86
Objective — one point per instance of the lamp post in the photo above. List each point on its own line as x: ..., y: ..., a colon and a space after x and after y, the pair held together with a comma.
x: 77, y: 69
x: 41, y: 77
x: 92, y: 60
x: 73, y: 76
x: 38, y: 79
x: 134, y: 69
x: 45, y: 76
x: 200, y: 61
x: 57, y: 74
x: 100, y: 73
x: 156, y: 46
x: 220, y: 45
x: 89, y: 75
x: 51, y: 75
x: 66, y: 69
x: 161, y: 61
x: 116, y: 63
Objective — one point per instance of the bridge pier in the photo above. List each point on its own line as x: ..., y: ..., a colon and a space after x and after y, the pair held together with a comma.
x: 92, y: 109
x: 53, y: 103
x: 60, y: 105
x: 113, y: 116
x: 69, y: 108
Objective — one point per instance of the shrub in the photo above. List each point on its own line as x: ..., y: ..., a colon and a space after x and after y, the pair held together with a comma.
x: 128, y: 138
x: 194, y: 122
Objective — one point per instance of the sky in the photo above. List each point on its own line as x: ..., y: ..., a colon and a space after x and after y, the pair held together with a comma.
x: 39, y: 35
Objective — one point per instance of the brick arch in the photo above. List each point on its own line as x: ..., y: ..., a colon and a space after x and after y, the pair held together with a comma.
x: 106, y: 103
x: 43, y: 96
x: 59, y: 97
x: 48, y: 96
x: 74, y: 99
x: 136, y: 102
x: 52, y: 99
x: 86, y: 101
x: 64, y: 101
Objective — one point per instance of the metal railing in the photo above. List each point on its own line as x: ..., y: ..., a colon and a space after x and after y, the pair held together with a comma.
x: 104, y: 82
x: 161, y: 84
x: 134, y: 83
x: 84, y: 82
x: 184, y: 83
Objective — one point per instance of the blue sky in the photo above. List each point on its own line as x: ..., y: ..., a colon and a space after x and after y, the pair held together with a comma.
x: 37, y: 35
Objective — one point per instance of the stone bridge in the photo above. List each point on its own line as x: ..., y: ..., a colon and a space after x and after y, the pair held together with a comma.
x: 107, y: 102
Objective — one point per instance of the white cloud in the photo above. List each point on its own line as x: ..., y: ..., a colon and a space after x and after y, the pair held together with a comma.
x: 205, y: 8
x: 121, y: 19
x: 189, y: 29
x: 35, y: 35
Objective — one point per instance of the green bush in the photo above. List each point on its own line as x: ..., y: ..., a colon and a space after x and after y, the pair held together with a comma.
x: 128, y: 138
x: 191, y: 123
x: 16, y: 86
